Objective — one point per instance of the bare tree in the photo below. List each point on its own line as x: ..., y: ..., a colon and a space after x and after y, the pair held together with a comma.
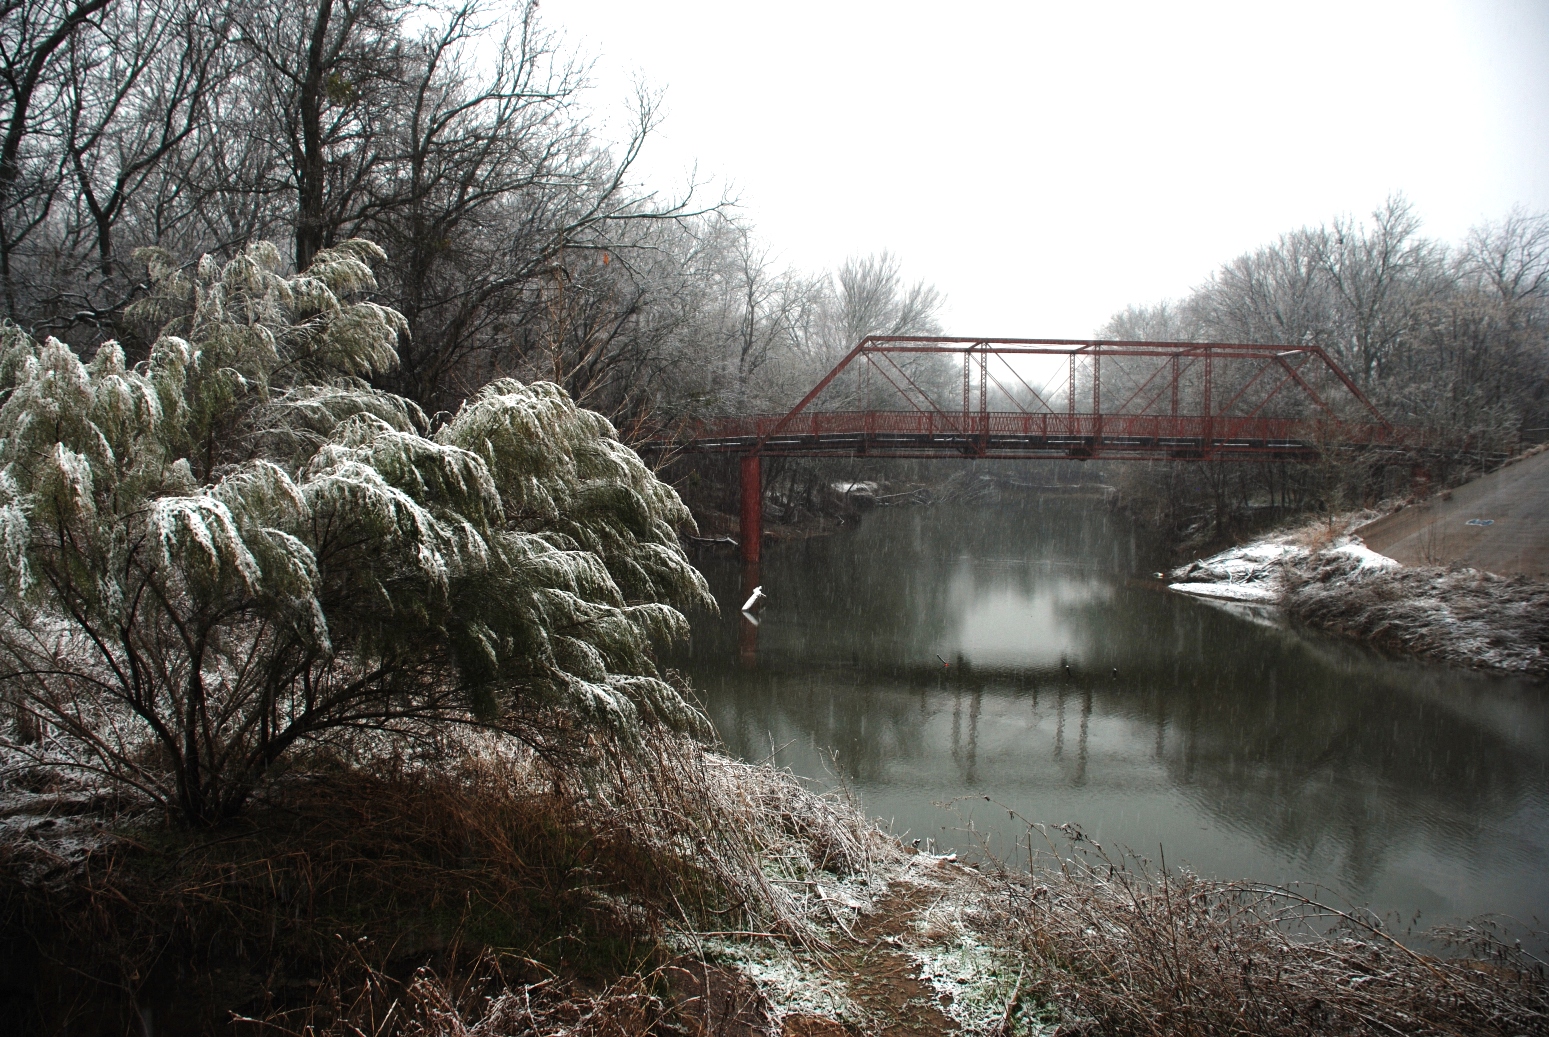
x: 1511, y: 256
x: 871, y: 298
x: 769, y: 306
x: 1277, y: 294
x: 98, y: 142
x: 479, y: 174
x: 1377, y: 274
x: 32, y: 95
x: 327, y: 71
x: 450, y: 134
x: 1161, y: 322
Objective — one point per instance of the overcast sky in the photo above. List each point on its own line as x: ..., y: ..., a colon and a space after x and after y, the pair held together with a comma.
x: 1045, y: 164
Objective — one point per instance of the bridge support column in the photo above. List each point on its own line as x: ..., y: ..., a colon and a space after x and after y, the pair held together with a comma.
x: 752, y: 528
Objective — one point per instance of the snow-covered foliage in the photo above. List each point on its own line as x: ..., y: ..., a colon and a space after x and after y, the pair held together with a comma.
x: 238, y: 543
x: 1458, y: 615
x: 1253, y: 573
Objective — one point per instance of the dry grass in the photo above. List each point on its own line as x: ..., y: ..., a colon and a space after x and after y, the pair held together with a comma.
x: 345, y: 877
x: 1454, y: 615
x: 478, y: 998
x: 748, y: 828
x: 488, y: 893
x: 1122, y: 948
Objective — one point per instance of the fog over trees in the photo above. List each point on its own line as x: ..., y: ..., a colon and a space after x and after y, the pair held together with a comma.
x: 522, y: 241
x: 1451, y: 337
x: 455, y: 136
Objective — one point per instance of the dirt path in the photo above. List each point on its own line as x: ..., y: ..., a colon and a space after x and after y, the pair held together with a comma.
x: 910, y: 964
x: 1498, y: 523
x: 884, y: 980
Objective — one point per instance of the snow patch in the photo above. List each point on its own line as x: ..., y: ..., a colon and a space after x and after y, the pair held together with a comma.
x: 1262, y: 592
x: 1252, y: 573
x: 1368, y: 559
x: 1255, y: 572
x: 50, y: 821
x: 792, y: 987
x: 974, y: 981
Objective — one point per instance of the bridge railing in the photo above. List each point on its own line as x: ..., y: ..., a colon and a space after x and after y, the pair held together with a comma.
x: 1046, y: 426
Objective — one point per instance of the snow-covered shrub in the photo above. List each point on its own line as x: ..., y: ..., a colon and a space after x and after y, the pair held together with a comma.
x: 239, y: 545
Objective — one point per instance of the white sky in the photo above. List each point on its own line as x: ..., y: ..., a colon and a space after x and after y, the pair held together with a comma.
x: 1045, y: 164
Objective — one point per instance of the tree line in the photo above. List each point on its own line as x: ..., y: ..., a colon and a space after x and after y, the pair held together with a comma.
x: 1453, y: 338
x: 458, y: 137
x: 138, y: 135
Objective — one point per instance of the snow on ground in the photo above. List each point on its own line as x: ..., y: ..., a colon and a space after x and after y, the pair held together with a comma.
x: 967, y: 978
x: 1325, y: 575
x: 1251, y: 573
x: 1365, y: 556
x: 1256, y: 572
x: 791, y: 984
x: 49, y: 822
x: 973, y: 980
x: 1262, y: 592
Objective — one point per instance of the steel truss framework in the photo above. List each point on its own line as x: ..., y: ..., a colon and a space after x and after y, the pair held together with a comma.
x: 1156, y: 401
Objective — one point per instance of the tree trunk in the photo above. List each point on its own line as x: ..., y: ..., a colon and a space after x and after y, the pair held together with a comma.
x: 310, y: 168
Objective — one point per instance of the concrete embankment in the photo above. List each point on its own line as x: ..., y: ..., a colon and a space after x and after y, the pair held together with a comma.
x: 1498, y: 523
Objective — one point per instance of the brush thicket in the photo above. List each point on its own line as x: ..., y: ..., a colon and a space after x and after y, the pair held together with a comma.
x: 343, y: 876
x: 1123, y: 947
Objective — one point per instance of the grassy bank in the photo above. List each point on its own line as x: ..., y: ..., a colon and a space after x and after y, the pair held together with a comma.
x: 490, y: 892
x: 483, y: 866
x: 1320, y: 573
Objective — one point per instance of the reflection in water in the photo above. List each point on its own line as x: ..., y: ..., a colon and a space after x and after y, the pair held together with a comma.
x: 936, y: 654
x: 747, y: 624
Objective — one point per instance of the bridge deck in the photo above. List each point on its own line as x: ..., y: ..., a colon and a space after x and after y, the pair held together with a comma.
x: 1167, y: 401
x: 1022, y: 435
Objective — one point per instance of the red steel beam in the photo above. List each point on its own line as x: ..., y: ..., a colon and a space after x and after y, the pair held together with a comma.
x: 1284, y: 381
x: 1295, y: 372
x: 1142, y: 388
x: 1018, y: 423
x: 880, y: 346
x: 752, y: 518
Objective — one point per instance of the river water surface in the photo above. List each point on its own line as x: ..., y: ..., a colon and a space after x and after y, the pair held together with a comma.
x: 920, y: 659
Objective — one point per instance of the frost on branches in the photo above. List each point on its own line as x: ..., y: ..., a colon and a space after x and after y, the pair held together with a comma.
x: 239, y: 545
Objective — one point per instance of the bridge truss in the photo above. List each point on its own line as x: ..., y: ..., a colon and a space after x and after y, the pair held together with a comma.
x: 897, y: 396
x: 1056, y: 398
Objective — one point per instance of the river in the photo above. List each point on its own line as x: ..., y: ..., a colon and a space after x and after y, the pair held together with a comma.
x: 921, y: 661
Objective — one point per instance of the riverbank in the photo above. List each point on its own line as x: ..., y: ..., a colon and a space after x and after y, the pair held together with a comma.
x: 1498, y: 522
x: 838, y: 505
x: 691, y: 894
x: 1323, y: 574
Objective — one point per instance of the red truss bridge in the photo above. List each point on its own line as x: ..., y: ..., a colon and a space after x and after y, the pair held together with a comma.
x: 896, y: 396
